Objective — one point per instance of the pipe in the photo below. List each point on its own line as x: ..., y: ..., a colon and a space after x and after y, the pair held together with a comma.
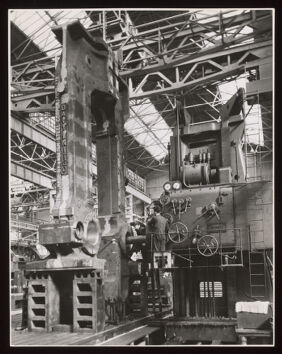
x: 169, y: 161
x: 178, y: 140
x: 135, y: 239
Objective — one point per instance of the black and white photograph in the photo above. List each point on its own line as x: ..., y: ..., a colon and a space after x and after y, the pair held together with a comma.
x: 141, y: 177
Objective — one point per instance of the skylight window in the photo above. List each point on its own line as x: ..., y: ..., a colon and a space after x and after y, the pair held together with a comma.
x: 149, y: 129
x: 37, y: 24
x: 210, y: 16
x: 18, y: 185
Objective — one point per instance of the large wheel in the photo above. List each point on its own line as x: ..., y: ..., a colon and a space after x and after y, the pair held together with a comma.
x: 178, y: 232
x: 207, y: 245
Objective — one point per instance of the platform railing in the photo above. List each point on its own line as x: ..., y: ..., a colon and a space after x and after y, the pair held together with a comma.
x: 230, y: 254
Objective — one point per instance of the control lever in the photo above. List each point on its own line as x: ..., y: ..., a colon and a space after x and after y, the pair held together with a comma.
x: 181, y: 201
x: 213, y: 205
x: 173, y: 201
x: 187, y: 205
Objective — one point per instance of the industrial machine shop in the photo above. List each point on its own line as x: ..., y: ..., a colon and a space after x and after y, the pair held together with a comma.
x: 141, y: 169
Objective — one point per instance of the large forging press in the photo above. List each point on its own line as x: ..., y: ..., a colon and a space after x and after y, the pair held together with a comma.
x: 85, y: 256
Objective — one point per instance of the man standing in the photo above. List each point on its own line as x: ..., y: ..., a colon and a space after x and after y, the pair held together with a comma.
x: 156, y: 230
x: 156, y: 237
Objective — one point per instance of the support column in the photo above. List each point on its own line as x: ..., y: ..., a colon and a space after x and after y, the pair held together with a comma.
x: 43, y: 302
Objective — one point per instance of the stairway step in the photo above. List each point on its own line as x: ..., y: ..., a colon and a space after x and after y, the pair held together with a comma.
x: 255, y: 286
x: 261, y: 296
x: 156, y: 295
x: 257, y: 255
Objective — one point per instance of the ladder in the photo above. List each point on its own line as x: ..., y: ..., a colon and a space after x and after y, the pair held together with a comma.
x: 154, y: 291
x: 137, y: 295
x: 257, y: 256
x: 146, y: 295
x: 257, y: 268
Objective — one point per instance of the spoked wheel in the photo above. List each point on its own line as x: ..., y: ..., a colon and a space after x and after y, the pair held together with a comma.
x: 207, y: 245
x: 178, y: 232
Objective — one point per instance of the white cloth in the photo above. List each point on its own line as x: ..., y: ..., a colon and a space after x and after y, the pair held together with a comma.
x: 253, y: 306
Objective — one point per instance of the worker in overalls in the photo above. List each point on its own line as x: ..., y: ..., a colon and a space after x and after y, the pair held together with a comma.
x: 156, y: 231
x: 156, y: 238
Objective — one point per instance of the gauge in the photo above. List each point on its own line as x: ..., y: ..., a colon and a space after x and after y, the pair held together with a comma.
x: 178, y: 232
x: 207, y: 245
x: 176, y: 185
x: 167, y: 186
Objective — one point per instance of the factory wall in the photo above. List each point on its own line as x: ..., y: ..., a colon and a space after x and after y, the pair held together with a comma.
x: 254, y: 210
x: 155, y: 181
x: 138, y: 206
x: 259, y: 167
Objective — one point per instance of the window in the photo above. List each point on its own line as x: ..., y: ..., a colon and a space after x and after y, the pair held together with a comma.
x: 211, y: 289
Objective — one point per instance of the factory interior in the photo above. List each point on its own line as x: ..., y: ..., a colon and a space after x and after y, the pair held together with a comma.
x: 141, y: 177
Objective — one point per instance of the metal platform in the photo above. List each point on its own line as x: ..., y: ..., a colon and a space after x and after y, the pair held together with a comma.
x: 183, y: 330
x: 141, y: 333
x: 254, y: 336
x: 26, y: 338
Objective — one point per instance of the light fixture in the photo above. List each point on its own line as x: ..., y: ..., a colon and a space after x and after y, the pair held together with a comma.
x: 167, y: 186
x: 176, y: 185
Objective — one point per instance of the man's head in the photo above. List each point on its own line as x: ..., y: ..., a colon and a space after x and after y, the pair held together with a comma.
x: 137, y: 225
x: 157, y: 209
